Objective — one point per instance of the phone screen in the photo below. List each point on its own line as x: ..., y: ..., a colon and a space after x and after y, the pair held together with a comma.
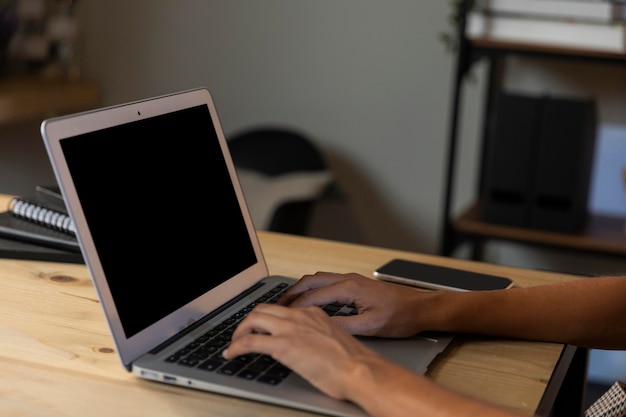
x: 438, y: 277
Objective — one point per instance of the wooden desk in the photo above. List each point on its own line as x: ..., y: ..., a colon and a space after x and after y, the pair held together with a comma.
x: 57, y: 357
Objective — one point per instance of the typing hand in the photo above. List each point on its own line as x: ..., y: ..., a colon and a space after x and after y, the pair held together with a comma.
x: 306, y: 341
x: 385, y: 309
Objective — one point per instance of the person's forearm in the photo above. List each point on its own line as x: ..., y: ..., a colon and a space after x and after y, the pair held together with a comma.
x: 587, y: 312
x: 387, y: 390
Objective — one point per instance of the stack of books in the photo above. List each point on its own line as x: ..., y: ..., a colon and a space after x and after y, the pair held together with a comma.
x: 586, y: 25
x: 39, y: 227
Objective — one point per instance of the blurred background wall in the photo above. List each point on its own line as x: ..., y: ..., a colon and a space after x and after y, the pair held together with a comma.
x: 368, y: 82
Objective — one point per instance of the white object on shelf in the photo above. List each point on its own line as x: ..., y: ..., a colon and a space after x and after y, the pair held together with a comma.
x: 559, y: 33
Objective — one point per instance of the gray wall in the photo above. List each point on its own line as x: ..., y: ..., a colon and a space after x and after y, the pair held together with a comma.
x: 369, y: 81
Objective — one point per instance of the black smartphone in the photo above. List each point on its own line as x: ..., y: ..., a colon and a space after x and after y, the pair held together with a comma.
x: 437, y: 277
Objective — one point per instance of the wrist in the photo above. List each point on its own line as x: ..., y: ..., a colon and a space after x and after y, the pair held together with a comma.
x: 369, y: 381
x: 383, y: 388
x: 434, y: 311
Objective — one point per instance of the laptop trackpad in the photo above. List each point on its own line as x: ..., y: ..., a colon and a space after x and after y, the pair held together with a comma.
x: 415, y: 353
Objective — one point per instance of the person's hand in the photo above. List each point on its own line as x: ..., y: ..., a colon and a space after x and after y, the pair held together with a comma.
x: 314, y: 346
x: 306, y: 341
x: 385, y: 309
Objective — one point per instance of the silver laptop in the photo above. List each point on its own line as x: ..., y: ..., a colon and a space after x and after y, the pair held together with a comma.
x: 173, y: 253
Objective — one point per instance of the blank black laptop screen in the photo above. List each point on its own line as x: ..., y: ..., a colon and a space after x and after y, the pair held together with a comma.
x: 156, y: 195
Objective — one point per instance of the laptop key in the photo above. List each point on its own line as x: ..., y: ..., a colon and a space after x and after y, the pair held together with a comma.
x: 189, y: 361
x: 231, y: 368
x: 279, y: 370
x: 270, y: 379
x: 210, y: 365
x: 331, y: 309
x: 245, y: 359
x: 249, y: 374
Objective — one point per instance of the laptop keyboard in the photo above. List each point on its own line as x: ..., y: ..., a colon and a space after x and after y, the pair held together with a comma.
x: 206, y: 351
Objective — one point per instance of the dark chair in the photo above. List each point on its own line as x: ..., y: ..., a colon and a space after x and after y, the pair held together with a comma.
x: 283, y: 175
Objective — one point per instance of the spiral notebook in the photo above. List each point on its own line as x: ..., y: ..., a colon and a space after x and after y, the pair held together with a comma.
x: 38, y: 226
x: 186, y: 273
x: 51, y: 214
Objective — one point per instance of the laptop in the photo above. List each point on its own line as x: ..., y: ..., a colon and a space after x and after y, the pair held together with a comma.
x: 165, y: 232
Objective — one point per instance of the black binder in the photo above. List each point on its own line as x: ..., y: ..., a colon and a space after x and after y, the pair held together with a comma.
x: 539, y: 160
x: 12, y: 227
x: 22, y: 249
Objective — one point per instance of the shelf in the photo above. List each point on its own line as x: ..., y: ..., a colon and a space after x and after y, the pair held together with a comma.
x: 603, y: 234
x: 35, y: 98
x: 487, y: 45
